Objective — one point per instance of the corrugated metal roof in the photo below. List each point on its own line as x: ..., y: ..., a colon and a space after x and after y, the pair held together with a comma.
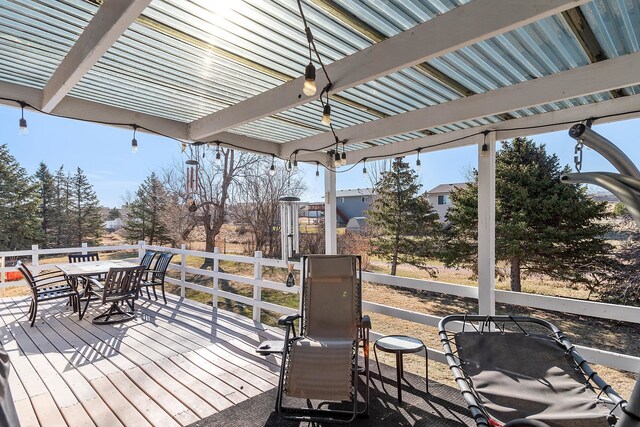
x: 185, y: 59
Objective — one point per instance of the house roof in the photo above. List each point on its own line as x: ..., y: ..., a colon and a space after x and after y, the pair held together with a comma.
x: 231, y: 72
x: 446, y: 188
x: 355, y: 192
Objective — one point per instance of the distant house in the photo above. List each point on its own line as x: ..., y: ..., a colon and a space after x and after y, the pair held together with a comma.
x: 353, y: 203
x: 439, y: 197
x: 113, y: 225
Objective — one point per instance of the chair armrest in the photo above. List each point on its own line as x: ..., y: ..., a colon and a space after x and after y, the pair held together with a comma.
x: 366, y: 321
x: 288, y: 319
x: 48, y: 276
x: 94, y: 281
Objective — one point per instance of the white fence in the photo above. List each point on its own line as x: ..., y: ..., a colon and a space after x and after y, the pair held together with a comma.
x: 629, y: 363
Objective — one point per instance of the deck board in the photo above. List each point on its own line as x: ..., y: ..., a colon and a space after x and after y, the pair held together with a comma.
x: 173, y: 365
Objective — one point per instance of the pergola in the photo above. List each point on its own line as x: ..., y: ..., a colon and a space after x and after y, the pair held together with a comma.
x: 408, y: 76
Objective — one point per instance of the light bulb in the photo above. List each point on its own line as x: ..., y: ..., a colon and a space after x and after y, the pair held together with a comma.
x: 317, y: 173
x: 272, y: 170
x: 418, y: 165
x: 343, y: 159
x: 484, y: 152
x: 326, y: 115
x: 218, y: 158
x: 336, y: 159
x: 295, y: 165
x: 23, y: 130
x: 309, y: 87
x: 134, y: 146
x: 364, y: 171
x: 317, y: 169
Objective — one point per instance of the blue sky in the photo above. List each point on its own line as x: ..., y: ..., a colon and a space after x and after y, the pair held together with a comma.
x: 104, y: 153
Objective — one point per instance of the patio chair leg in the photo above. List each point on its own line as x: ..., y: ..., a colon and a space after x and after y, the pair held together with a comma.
x: 155, y: 295
x: 148, y: 294
x: 30, y: 309
x: 163, y: 295
x: 82, y: 312
x: 35, y: 312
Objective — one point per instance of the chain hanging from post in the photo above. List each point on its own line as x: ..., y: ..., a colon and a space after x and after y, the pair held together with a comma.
x: 577, y: 155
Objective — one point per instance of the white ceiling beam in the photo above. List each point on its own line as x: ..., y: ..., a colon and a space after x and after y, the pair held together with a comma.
x: 599, y: 77
x: 110, y: 21
x: 80, y: 109
x: 463, y: 26
x: 624, y: 108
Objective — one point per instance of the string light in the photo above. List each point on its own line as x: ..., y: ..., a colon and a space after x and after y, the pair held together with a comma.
x: 418, y: 163
x: 336, y: 158
x: 317, y: 169
x: 134, y: 141
x: 23, y: 130
x: 295, y: 165
x: 218, y: 156
x: 272, y: 169
x: 326, y: 115
x: 364, y: 167
x: 309, y: 87
x: 184, y: 147
x: 484, y: 151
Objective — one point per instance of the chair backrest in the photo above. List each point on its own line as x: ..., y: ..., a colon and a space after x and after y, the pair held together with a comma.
x: 122, y: 283
x: 92, y: 256
x: 22, y: 268
x: 160, y: 269
x: 147, y: 259
x: 331, y: 288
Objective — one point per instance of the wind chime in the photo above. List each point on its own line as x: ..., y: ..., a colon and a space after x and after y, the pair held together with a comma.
x: 191, y: 175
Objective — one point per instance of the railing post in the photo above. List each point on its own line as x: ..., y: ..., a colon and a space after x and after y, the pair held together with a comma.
x: 35, y: 259
x: 3, y: 276
x: 140, y: 250
x: 257, y: 290
x: 216, y: 269
x: 183, y: 270
x: 84, y: 248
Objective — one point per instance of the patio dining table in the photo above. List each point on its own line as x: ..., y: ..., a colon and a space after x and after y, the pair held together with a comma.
x: 77, y: 270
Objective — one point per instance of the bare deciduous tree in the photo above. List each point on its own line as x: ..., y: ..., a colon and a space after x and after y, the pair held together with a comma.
x: 255, y: 202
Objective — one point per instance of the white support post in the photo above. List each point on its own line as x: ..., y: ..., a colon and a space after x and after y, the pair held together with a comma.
x: 140, y: 250
x: 330, y: 213
x: 487, y: 224
x: 183, y: 271
x: 35, y: 259
x: 3, y: 276
x: 216, y: 270
x: 257, y: 290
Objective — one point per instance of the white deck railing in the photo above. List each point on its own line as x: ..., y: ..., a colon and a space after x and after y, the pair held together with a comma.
x: 564, y: 305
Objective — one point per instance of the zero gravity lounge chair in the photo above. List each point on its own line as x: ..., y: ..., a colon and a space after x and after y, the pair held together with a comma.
x: 518, y: 371
x: 322, y: 362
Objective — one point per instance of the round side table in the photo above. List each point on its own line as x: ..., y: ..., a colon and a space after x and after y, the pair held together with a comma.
x: 401, y: 345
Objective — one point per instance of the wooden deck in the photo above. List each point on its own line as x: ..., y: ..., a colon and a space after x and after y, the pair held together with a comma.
x: 173, y: 365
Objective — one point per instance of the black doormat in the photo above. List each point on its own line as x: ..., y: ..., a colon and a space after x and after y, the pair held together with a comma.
x: 443, y: 406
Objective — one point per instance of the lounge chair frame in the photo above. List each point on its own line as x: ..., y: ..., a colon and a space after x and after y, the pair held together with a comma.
x: 362, y: 339
x: 480, y: 324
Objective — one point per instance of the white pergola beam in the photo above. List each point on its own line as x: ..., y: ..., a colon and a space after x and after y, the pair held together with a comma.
x: 80, y: 109
x: 487, y: 224
x: 599, y: 77
x: 624, y: 108
x: 110, y: 21
x: 463, y: 26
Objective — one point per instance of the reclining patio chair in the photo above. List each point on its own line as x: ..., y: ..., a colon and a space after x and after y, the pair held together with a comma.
x: 517, y: 371
x: 48, y: 286
x: 322, y: 362
x: 122, y: 284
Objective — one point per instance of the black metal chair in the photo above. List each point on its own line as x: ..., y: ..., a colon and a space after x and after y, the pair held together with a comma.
x: 120, y: 285
x: 157, y: 276
x: 92, y: 256
x: 48, y: 286
x: 147, y: 259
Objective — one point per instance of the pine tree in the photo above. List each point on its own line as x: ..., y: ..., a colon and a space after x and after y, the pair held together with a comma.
x: 145, y: 218
x: 19, y: 220
x: 542, y: 226
x: 60, y: 224
x: 404, y: 221
x: 113, y: 214
x: 45, y: 187
x: 84, y: 211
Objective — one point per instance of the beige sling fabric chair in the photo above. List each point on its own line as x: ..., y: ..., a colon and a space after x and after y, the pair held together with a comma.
x: 321, y: 363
